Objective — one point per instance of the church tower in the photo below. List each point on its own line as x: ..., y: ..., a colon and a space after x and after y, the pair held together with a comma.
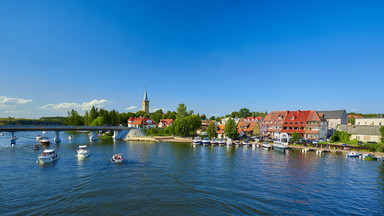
x: 145, y: 102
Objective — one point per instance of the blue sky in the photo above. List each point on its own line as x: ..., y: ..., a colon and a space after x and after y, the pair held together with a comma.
x: 214, y: 56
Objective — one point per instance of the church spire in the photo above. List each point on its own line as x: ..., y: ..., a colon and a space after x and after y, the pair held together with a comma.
x: 145, y: 95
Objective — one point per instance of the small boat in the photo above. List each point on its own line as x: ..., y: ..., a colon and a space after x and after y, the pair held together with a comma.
x: 229, y: 142
x: 1, y: 134
x: 44, y: 132
x: 70, y: 137
x: 117, y: 158
x: 353, y: 154
x: 221, y: 141
x: 197, y: 140
x: 206, y: 141
x: 48, y: 156
x: 246, y: 143
x: 82, y: 151
x: 237, y: 142
x: 214, y: 141
x: 38, y: 137
x: 44, y: 141
x: 279, y: 146
x: 266, y: 145
x: 35, y: 147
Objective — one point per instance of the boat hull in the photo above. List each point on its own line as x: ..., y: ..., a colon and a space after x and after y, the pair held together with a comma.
x: 45, y: 160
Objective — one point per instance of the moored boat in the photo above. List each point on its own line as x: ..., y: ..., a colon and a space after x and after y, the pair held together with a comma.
x: 48, y: 156
x: 45, y: 132
x: 214, y: 141
x: 237, y: 142
x: 1, y: 134
x: 117, y: 158
x: 353, y: 154
x: 306, y: 150
x: 229, y: 141
x: 197, y: 140
x: 221, y: 141
x: 206, y: 141
x: 82, y: 151
x: 266, y: 145
x: 246, y: 143
x: 44, y: 141
x: 70, y: 137
x: 279, y: 146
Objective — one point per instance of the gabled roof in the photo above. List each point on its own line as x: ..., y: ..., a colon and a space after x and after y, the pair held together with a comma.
x: 296, y: 118
x: 333, y: 114
x: 140, y: 121
x: 166, y: 122
x: 275, y: 118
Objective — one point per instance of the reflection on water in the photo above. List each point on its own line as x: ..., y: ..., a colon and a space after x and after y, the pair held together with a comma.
x: 184, y: 179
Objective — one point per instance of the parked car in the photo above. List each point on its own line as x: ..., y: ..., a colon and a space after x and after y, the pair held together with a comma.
x: 309, y: 141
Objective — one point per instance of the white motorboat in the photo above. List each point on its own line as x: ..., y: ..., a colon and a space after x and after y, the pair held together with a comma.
x: 237, y: 142
x: 70, y: 137
x: 45, y: 132
x: 229, y: 141
x: 82, y: 151
x: 197, y: 140
x: 38, y: 137
x: 246, y: 143
x: 48, y: 156
x: 221, y: 141
x: 279, y: 146
x: 266, y: 145
x: 214, y: 141
x: 206, y: 141
x: 117, y: 158
x: 44, y: 141
x: 1, y: 134
x: 353, y: 154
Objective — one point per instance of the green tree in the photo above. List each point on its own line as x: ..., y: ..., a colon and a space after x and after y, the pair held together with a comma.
x: 140, y: 113
x: 93, y: 114
x: 295, y: 137
x: 231, y: 129
x: 194, y: 123
x: 235, y: 114
x: 203, y: 117
x: 181, y: 127
x: 172, y: 115
x: 382, y: 134
x: 99, y: 121
x: 86, y: 118
x: 352, y: 120
x: 211, y: 130
x: 212, y: 118
x: 181, y: 111
x: 74, y: 118
x: 244, y: 112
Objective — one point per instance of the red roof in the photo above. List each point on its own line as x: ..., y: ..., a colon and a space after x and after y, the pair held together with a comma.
x: 296, y: 118
x: 275, y: 118
x: 257, y: 119
x: 141, y: 121
x: 166, y: 122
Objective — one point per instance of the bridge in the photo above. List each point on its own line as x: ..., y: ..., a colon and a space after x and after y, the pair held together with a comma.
x: 57, y: 128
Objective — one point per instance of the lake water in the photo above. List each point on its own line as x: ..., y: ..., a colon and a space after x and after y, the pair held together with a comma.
x: 182, y: 179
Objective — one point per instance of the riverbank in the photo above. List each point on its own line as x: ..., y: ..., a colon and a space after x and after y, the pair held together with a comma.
x: 376, y: 154
x: 160, y: 139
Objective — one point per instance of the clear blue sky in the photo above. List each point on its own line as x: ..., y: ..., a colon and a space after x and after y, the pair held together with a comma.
x: 214, y: 56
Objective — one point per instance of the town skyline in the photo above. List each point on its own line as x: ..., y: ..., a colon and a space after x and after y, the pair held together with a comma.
x: 214, y: 57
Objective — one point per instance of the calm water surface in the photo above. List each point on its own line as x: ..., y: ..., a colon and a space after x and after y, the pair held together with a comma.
x: 181, y: 179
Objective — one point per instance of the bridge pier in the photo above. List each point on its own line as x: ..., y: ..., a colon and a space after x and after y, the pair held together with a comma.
x: 13, y: 139
x: 93, y: 136
x: 57, y: 137
x: 115, y: 134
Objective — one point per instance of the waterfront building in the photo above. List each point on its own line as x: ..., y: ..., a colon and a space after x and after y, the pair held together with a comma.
x: 250, y: 127
x: 145, y: 102
x: 273, y: 124
x: 334, y: 118
x: 370, y: 121
x: 364, y: 133
x: 165, y: 123
x: 141, y: 122
x: 220, y: 131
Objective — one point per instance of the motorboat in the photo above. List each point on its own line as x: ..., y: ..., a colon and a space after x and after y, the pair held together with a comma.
x: 48, y: 156
x: 214, y: 141
x: 237, y: 142
x: 221, y: 141
x: 246, y: 143
x: 117, y: 158
x: 1, y: 134
x: 70, y: 137
x: 280, y: 146
x: 82, y: 151
x: 266, y: 145
x: 206, y: 141
x: 255, y: 144
x: 38, y: 137
x: 197, y: 140
x: 44, y: 141
x: 44, y: 132
x: 229, y: 141
x: 353, y: 154
x: 35, y: 147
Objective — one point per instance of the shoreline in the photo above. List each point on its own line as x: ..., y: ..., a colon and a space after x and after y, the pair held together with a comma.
x: 379, y: 154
